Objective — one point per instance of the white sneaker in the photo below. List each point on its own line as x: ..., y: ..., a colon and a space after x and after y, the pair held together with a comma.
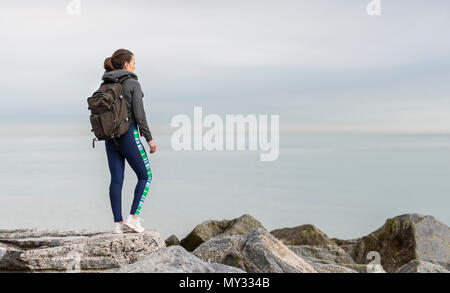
x: 134, y: 224
x: 118, y: 228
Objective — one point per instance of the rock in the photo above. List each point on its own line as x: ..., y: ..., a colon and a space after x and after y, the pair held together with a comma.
x: 18, y: 234
x: 8, y: 258
x: 420, y: 266
x: 3, y: 250
x: 332, y: 259
x: 44, y: 250
x: 302, y: 235
x: 346, y: 245
x: 330, y: 268
x: 404, y: 238
x: 172, y: 240
x: 330, y: 254
x: 174, y: 259
x: 360, y: 268
x: 209, y: 229
x: 256, y: 251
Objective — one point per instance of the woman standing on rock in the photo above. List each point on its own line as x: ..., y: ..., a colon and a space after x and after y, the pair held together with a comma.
x: 129, y: 147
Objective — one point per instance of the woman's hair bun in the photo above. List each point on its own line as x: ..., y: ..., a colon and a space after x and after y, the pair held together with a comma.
x: 108, y: 64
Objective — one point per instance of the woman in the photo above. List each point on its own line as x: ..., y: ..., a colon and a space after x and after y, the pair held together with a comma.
x: 129, y: 147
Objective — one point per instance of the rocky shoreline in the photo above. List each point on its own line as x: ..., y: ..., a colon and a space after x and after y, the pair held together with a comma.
x: 410, y: 243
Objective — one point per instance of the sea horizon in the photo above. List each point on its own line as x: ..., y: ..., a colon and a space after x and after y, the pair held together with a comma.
x: 346, y: 184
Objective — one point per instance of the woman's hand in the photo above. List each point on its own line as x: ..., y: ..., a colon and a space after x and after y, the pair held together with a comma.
x: 152, y: 146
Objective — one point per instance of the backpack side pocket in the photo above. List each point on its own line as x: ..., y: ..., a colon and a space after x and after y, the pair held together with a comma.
x: 102, y: 125
x: 96, y: 126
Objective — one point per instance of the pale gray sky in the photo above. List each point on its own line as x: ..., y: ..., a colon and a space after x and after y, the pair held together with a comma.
x: 319, y: 64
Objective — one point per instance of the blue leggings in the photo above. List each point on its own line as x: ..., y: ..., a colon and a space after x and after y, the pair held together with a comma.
x: 129, y: 147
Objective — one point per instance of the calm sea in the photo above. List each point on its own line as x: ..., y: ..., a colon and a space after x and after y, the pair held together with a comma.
x: 345, y: 184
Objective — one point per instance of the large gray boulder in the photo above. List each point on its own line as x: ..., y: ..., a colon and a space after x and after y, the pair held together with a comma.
x: 256, y: 251
x: 52, y: 251
x: 404, y: 238
x: 174, y: 259
x: 420, y: 266
x: 302, y: 235
x: 211, y: 228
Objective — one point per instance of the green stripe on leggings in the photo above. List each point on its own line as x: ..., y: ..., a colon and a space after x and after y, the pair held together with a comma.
x: 147, y: 166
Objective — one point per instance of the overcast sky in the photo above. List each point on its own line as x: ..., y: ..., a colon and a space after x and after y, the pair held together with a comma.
x: 322, y: 64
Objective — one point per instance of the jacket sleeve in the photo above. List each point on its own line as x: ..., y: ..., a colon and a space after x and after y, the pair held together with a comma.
x: 139, y: 112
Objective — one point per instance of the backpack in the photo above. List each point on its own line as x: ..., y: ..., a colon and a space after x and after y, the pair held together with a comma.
x: 109, y: 113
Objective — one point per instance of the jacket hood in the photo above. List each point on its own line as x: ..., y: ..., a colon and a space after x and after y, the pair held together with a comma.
x: 114, y: 75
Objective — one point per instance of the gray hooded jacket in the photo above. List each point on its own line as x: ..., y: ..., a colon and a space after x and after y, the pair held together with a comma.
x: 133, y: 95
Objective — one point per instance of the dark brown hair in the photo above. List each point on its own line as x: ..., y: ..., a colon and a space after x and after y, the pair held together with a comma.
x: 117, y: 60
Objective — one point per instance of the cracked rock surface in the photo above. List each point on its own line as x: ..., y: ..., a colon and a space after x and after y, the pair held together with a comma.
x: 51, y: 251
